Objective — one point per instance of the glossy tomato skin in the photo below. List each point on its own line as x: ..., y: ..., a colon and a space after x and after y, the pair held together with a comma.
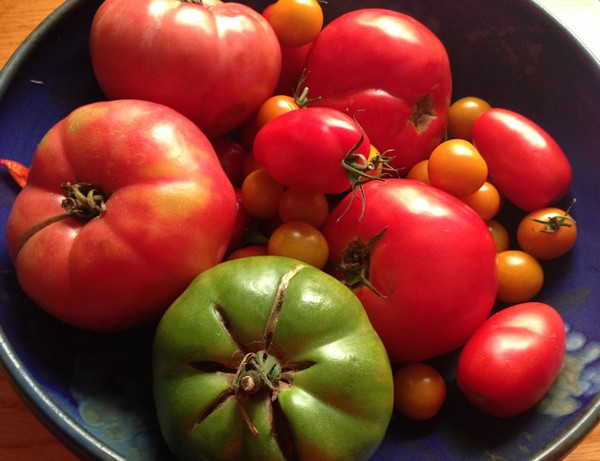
x: 188, y: 56
x: 525, y: 163
x: 335, y: 388
x: 511, y: 361
x: 391, y: 71
x: 434, y: 266
x: 304, y: 149
x: 169, y: 214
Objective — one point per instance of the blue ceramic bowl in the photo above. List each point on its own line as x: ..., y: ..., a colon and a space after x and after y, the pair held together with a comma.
x: 94, y: 391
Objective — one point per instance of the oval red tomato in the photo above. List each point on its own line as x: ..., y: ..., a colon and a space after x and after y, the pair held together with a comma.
x: 429, y: 280
x: 125, y: 205
x: 215, y: 64
x: 525, y: 163
x: 511, y: 361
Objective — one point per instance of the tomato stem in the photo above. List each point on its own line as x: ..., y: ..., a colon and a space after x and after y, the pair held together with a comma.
x: 301, y: 92
x: 83, y: 201
x: 554, y: 223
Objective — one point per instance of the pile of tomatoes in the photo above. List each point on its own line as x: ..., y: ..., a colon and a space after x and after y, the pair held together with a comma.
x: 375, y: 178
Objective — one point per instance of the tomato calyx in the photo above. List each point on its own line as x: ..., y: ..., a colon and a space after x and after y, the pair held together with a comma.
x: 554, y: 223
x: 356, y: 263
x: 301, y: 92
x: 83, y: 201
x: 422, y: 113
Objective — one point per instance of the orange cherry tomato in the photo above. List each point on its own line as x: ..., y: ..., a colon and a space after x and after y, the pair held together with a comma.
x: 296, y: 22
x: 260, y: 194
x: 418, y: 172
x: 520, y: 276
x: 463, y: 113
x: 300, y: 241
x: 273, y: 107
x: 485, y: 201
x: 499, y: 234
x: 419, y: 391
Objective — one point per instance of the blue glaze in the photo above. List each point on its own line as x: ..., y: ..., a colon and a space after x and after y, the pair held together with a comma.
x: 94, y: 390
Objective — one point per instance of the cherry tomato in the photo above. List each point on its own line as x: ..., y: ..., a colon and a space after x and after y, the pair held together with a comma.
x: 309, y: 207
x: 261, y: 194
x: 520, y: 276
x: 456, y: 167
x: 419, y: 391
x: 249, y: 164
x: 245, y: 252
x: 499, y: 234
x: 547, y: 233
x: 300, y: 241
x: 418, y: 172
x: 296, y: 22
x: 231, y: 156
x: 274, y: 106
x: 463, y: 113
x: 485, y: 201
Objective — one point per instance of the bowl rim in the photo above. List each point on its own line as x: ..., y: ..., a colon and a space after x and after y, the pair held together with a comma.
x: 81, y: 442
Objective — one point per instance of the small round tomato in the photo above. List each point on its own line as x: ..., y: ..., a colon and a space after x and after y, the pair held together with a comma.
x: 309, y: 207
x: 418, y: 172
x: 485, y: 201
x: 274, y: 106
x: 499, y: 234
x: 300, y: 241
x: 547, y: 233
x: 456, y: 167
x: 261, y: 194
x: 296, y: 22
x: 231, y: 156
x: 520, y: 276
x: 246, y: 252
x: 463, y: 113
x: 419, y: 391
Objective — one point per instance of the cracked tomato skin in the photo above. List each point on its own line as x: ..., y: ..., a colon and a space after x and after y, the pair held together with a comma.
x: 169, y: 214
x: 392, y: 72
x: 434, y: 266
x: 188, y: 56
x: 335, y: 398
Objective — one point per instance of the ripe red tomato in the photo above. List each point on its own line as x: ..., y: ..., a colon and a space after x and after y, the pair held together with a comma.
x: 393, y: 69
x: 316, y: 149
x: 231, y: 155
x: 128, y: 230
x: 525, y: 163
x: 429, y: 280
x: 511, y: 361
x: 187, y: 56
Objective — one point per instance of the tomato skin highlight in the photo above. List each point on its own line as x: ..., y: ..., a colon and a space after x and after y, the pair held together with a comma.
x: 435, y: 265
x: 511, y: 361
x: 525, y: 163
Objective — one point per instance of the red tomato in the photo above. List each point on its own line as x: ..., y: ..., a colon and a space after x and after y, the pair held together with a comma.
x: 433, y: 268
x: 231, y: 155
x: 243, y: 220
x: 313, y: 150
x: 187, y: 55
x: 511, y: 361
x: 129, y: 229
x: 391, y: 67
x: 525, y: 163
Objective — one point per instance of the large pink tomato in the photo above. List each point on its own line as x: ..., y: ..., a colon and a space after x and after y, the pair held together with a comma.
x: 214, y: 62
x: 391, y: 68
x: 125, y: 204
x: 422, y: 263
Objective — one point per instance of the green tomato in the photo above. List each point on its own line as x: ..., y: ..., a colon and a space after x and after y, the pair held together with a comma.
x: 270, y: 358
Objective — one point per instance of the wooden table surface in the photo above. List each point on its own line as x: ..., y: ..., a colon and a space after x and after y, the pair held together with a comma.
x: 22, y: 436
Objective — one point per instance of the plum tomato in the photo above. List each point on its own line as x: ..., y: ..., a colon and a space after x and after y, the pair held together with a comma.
x: 456, y: 167
x: 463, y: 113
x: 547, y: 233
x: 301, y: 241
x: 260, y: 194
x: 520, y: 276
x: 296, y: 22
x: 419, y: 391
x: 511, y: 361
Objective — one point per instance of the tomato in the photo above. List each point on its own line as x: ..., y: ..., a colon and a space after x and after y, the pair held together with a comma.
x: 315, y: 149
x: 511, y: 361
x: 456, y: 167
x: 525, y: 163
x: 231, y: 155
x: 421, y: 261
x: 246, y: 252
x: 126, y: 231
x: 547, y: 233
x: 261, y: 193
x: 292, y: 67
x: 242, y: 222
x: 520, y: 276
x: 296, y: 22
x: 301, y: 241
x: 499, y: 234
x: 392, y: 69
x: 270, y: 358
x: 418, y: 172
x: 419, y: 391
x: 485, y: 201
x: 463, y: 113
x: 187, y: 55
x: 308, y: 207
x: 274, y: 106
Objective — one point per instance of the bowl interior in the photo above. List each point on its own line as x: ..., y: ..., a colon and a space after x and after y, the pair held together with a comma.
x: 94, y: 390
